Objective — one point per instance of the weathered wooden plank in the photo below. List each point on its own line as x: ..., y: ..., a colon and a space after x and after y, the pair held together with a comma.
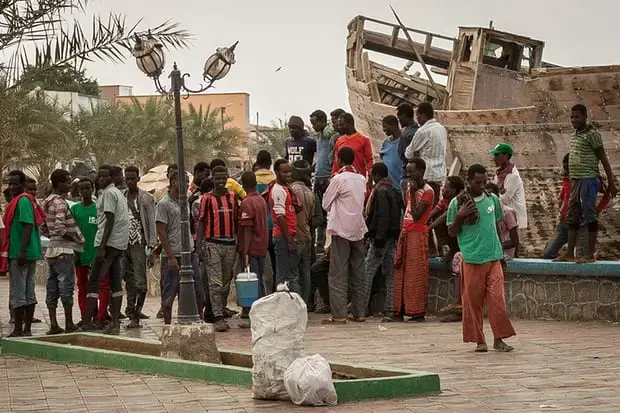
x: 394, y: 38
x: 381, y: 43
x: 418, y: 84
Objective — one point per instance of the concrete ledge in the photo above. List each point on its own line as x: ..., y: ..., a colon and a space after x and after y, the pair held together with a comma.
x: 370, y: 382
x: 541, y: 289
x: 535, y: 266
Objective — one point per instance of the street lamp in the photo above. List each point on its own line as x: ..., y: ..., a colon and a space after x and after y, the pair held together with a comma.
x: 150, y: 59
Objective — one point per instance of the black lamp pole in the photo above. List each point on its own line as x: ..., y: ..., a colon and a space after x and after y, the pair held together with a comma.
x: 150, y: 59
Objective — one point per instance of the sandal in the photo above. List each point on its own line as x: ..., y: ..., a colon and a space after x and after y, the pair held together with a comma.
x: 502, y: 347
x: 332, y: 320
x: 357, y: 319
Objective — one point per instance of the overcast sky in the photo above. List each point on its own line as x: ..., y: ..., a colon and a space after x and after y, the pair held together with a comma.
x: 307, y: 39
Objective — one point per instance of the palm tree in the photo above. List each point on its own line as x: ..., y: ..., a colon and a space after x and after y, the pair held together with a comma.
x: 40, y: 33
x: 206, y: 137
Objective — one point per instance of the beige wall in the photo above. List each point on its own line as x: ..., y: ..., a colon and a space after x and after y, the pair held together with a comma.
x: 236, y: 106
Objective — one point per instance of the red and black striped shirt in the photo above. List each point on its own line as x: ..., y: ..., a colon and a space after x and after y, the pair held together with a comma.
x: 219, y: 213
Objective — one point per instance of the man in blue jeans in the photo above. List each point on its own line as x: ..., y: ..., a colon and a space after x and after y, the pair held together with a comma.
x: 65, y: 238
x: 253, y: 234
x: 24, y: 250
x: 283, y: 206
x: 586, y: 152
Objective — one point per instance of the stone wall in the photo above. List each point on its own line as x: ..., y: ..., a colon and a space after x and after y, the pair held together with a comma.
x: 582, y: 297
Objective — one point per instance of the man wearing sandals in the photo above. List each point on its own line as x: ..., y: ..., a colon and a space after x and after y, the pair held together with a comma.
x: 472, y: 218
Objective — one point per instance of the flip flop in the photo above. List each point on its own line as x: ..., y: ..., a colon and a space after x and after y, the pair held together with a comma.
x: 332, y: 320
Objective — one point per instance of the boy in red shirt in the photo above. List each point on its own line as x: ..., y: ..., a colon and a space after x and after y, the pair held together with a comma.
x: 253, y: 234
x: 360, y: 144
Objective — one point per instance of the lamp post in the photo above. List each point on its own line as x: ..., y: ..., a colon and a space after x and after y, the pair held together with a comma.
x: 151, y: 60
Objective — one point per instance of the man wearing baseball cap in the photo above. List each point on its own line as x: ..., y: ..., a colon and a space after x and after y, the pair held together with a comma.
x: 509, y: 182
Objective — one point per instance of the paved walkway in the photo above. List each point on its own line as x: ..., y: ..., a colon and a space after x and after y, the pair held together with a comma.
x: 556, y: 367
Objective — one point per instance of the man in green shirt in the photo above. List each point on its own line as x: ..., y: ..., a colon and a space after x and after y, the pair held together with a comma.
x: 586, y: 151
x: 472, y: 218
x: 24, y: 252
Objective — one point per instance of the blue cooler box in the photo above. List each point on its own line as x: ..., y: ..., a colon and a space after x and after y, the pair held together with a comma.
x: 248, y: 289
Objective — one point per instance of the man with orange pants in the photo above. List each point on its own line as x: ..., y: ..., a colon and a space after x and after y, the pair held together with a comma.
x: 472, y: 218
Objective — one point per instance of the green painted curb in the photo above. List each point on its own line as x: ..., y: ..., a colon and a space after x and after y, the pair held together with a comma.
x: 389, y: 382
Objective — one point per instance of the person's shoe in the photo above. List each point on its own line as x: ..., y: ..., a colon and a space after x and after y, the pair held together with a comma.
x: 500, y: 346
x: 160, y: 313
x: 418, y: 319
x: 323, y: 310
x: 245, y: 324
x: 27, y: 333
x: 228, y: 313
x: 80, y: 323
x: 16, y: 334
x: 121, y: 316
x: 143, y: 316
x: 481, y: 348
x: 71, y: 328
x: 112, y: 329
x: 36, y: 320
x: 134, y: 323
x: 54, y: 330
x: 221, y: 326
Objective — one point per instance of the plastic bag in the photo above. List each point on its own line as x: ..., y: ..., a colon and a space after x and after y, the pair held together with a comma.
x: 308, y: 381
x: 278, y: 326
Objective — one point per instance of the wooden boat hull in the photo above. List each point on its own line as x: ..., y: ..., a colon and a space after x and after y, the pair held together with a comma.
x: 539, y: 132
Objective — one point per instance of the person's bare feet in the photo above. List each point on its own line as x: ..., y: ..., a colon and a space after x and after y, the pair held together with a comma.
x: 586, y: 260
x: 500, y: 346
x: 482, y: 348
x: 564, y: 258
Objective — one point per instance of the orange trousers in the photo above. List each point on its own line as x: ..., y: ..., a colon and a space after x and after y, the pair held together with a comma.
x: 480, y: 283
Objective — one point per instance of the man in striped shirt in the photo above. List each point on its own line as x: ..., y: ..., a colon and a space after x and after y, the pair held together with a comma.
x: 216, y: 239
x: 586, y: 151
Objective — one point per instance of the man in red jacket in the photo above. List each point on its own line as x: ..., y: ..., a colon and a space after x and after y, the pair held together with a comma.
x: 360, y: 144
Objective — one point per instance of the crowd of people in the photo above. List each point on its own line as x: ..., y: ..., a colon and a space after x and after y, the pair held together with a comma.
x: 336, y: 226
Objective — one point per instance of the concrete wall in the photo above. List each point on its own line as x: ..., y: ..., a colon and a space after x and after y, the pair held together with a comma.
x: 539, y: 289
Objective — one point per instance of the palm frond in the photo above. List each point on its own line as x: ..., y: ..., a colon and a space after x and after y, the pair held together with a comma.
x: 59, y: 41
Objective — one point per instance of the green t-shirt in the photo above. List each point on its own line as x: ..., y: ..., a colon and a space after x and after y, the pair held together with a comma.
x: 86, y: 220
x: 480, y: 243
x: 583, y: 160
x: 24, y: 214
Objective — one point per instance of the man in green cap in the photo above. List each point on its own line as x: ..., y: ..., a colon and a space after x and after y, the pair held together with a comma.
x: 509, y: 181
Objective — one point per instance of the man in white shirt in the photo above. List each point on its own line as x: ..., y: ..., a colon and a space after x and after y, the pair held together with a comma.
x: 429, y: 143
x: 509, y: 182
x: 344, y: 202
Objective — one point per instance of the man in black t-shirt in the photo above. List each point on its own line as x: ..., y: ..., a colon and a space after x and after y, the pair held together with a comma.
x: 299, y: 146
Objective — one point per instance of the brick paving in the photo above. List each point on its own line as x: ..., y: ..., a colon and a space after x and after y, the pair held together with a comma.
x: 556, y: 367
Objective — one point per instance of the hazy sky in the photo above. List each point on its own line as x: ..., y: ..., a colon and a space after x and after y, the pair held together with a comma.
x: 307, y: 39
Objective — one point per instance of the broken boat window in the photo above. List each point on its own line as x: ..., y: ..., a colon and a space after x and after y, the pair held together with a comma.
x: 466, y: 52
